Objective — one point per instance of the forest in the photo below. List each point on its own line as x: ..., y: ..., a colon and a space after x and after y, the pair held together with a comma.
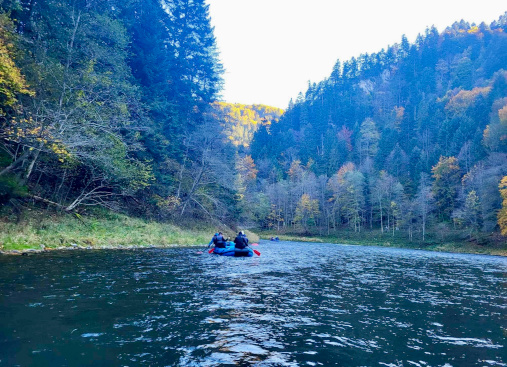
x: 116, y: 104
x: 411, y: 141
x: 110, y: 104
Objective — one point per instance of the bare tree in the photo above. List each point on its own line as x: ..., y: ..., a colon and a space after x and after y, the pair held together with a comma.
x: 205, y: 170
x: 424, y: 201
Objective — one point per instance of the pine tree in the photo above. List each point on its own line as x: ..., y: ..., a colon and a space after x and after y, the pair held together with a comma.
x: 447, y: 178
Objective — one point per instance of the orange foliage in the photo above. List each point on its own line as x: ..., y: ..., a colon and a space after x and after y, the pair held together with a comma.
x: 347, y: 167
x: 461, y: 101
x: 295, y: 169
x: 246, y: 166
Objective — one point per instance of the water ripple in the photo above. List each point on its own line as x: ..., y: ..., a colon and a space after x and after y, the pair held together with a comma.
x: 296, y: 305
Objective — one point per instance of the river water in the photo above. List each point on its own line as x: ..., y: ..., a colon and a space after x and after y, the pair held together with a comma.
x: 295, y: 305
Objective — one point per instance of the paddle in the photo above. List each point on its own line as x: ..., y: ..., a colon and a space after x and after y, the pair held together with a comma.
x: 255, y: 251
x: 255, y: 244
x: 210, y: 251
x: 201, y: 252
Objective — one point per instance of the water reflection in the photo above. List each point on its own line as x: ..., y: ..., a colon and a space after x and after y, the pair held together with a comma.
x: 296, y: 305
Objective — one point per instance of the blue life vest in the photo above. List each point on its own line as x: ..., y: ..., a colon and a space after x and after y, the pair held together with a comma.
x: 219, y: 241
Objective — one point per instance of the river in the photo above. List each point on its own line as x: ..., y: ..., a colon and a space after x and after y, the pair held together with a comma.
x: 295, y: 305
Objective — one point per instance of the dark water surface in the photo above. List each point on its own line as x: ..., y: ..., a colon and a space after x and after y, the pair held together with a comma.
x: 296, y: 305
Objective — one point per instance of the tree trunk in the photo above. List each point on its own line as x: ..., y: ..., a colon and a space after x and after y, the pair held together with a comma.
x: 16, y: 163
x: 31, y: 165
x: 424, y: 228
x: 381, y: 219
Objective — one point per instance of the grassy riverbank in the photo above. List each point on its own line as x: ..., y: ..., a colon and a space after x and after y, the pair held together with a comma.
x: 104, y: 230
x: 37, y: 230
x: 487, y: 245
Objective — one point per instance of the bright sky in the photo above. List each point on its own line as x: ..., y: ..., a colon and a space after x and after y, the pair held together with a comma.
x: 270, y: 49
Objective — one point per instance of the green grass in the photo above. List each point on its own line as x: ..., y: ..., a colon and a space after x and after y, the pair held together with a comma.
x: 452, y: 242
x: 104, y: 231
x: 110, y: 230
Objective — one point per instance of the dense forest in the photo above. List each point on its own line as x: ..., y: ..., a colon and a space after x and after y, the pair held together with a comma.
x: 240, y: 121
x: 110, y: 103
x: 407, y: 140
x: 116, y: 104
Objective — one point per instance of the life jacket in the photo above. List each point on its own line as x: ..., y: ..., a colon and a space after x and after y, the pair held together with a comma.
x: 240, y: 242
x: 219, y: 241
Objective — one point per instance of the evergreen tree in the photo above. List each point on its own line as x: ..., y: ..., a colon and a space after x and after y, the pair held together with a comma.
x: 447, y: 178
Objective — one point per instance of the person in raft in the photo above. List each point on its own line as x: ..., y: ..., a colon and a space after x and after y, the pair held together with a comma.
x: 241, y: 241
x: 218, y: 239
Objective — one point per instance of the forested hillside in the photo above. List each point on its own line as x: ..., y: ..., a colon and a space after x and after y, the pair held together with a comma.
x: 240, y: 121
x: 114, y: 104
x: 406, y: 140
x: 109, y: 103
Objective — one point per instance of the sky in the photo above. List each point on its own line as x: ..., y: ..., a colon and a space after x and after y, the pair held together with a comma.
x: 270, y: 49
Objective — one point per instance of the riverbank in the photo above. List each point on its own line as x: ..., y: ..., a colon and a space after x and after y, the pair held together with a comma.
x: 38, y: 232
x: 491, y: 245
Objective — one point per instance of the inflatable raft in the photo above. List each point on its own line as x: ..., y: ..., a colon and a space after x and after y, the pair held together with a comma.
x: 229, y: 250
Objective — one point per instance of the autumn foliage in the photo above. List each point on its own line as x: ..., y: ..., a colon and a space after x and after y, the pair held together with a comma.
x: 502, y: 214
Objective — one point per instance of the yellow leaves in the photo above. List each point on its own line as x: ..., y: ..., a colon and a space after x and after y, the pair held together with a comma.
x: 275, y: 216
x: 495, y: 134
x: 91, y: 66
x: 123, y: 108
x: 502, y: 214
x: 170, y: 202
x: 446, y: 166
x: 29, y: 132
x: 473, y: 30
x: 60, y: 150
x: 12, y: 82
x: 240, y: 121
x: 246, y: 167
x: 295, y: 169
x: 306, y: 210
x: 461, y: 101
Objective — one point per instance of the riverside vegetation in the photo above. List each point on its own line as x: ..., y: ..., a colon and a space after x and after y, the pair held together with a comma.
x: 117, y: 107
x: 40, y: 231
x: 447, y: 242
